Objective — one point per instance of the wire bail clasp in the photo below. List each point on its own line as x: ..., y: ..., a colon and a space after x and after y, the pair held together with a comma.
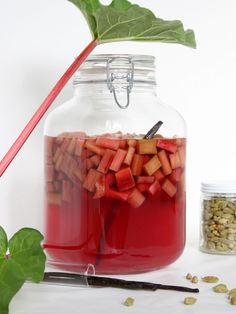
x: 119, y: 78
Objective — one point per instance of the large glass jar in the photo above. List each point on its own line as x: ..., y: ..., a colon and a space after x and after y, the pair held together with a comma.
x: 114, y: 199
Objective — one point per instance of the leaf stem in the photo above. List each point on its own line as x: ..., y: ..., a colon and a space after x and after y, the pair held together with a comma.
x: 14, y: 149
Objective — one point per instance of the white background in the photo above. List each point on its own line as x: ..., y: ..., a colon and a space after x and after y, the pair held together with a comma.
x: 39, y: 40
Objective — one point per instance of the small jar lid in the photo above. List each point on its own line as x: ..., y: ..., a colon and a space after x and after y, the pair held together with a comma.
x: 215, y: 186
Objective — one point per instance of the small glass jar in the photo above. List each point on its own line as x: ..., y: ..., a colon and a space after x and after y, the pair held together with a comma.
x: 218, y: 217
x: 114, y: 199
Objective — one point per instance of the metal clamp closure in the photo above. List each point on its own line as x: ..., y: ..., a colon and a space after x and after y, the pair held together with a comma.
x: 120, y: 78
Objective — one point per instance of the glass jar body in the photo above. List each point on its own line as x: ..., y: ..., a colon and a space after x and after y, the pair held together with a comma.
x: 113, y: 199
x: 218, y: 223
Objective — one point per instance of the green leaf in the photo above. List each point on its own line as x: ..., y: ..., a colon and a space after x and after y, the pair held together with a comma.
x: 88, y: 7
x: 3, y: 243
x: 26, y: 261
x: 122, y: 21
x: 11, y: 280
x: 26, y: 250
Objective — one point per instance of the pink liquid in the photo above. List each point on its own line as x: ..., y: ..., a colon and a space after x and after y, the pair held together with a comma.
x: 113, y: 235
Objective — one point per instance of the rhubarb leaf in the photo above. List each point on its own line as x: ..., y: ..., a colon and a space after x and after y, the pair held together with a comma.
x: 11, y: 280
x: 123, y: 21
x: 3, y: 243
x: 26, y: 250
x: 88, y: 8
x: 25, y: 261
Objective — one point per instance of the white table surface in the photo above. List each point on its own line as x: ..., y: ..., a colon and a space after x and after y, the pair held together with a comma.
x: 50, y: 299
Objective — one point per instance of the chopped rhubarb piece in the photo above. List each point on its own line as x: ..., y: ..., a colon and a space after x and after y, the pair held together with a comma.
x: 106, y: 161
x: 181, y: 152
x: 65, y: 144
x: 82, y: 163
x: 145, y: 179
x: 135, y: 198
x: 57, y: 186
x: 129, y: 156
x: 122, y: 143
x: 100, y: 188
x: 66, y: 191
x: 175, y: 160
x: 91, y: 179
x: 54, y: 199
x: 124, y: 179
x: 110, y: 179
x: 121, y: 196
x: 152, y: 165
x: 49, y: 141
x: 158, y: 136
x: 182, y: 182
x: 71, y: 168
x: 89, y: 164
x: 147, y: 147
x: 95, y: 160
x: 66, y: 163
x: 50, y: 187
x: 146, y: 158
x: 80, y: 135
x: 159, y: 175
x: 90, y: 145
x: 180, y: 141
x: 49, y: 173
x: 59, y: 162
x: 71, y: 147
x: 118, y: 160
x: 169, y: 188
x: 137, y: 165
x: 132, y: 143
x: 165, y: 164
x: 61, y: 176
x: 107, y: 143
x: 142, y: 187
x: 166, y: 145
x: 86, y: 153
x: 60, y: 138
x: 175, y: 175
x: 154, y: 188
x: 80, y: 173
x: 56, y: 155
x: 48, y: 160
x: 79, y: 147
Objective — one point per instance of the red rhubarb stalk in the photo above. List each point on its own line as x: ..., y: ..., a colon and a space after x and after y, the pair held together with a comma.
x: 10, y: 155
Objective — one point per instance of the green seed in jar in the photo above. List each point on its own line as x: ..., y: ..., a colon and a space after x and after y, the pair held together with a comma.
x: 188, y: 276
x: 222, y: 221
x: 190, y: 300
x: 194, y: 279
x: 221, y: 288
x: 210, y: 279
x: 129, y: 301
x: 231, y: 205
x: 211, y: 245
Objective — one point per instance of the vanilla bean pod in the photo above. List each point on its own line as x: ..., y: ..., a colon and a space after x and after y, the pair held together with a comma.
x: 153, y: 130
x: 96, y: 281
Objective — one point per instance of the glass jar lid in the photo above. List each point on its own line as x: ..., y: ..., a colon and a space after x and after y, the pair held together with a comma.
x: 219, y: 186
x: 97, y: 68
x: 118, y: 72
